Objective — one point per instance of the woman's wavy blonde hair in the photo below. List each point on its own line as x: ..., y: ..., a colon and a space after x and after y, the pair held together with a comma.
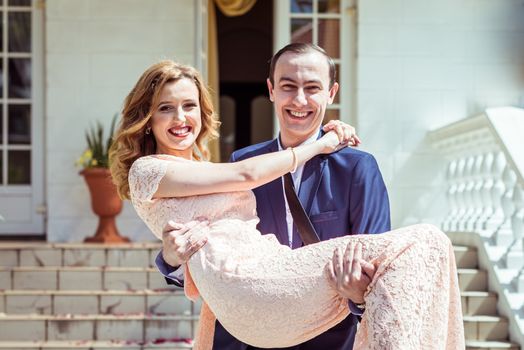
x: 131, y: 141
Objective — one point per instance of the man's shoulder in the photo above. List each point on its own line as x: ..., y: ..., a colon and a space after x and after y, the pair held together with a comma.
x: 253, y: 150
x: 353, y: 155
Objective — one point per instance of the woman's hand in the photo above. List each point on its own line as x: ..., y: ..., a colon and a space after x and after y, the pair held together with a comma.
x: 338, y: 135
x: 180, y: 242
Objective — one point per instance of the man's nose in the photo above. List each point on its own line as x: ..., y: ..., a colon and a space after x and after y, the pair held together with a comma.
x: 300, y: 98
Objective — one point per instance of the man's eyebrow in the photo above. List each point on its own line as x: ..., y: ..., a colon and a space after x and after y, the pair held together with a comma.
x: 284, y: 78
x: 288, y: 79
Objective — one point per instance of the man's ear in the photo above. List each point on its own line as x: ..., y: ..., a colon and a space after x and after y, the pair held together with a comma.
x: 333, y: 92
x: 270, y: 90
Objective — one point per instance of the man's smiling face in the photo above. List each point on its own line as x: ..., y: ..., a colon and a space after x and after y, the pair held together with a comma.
x: 301, y: 94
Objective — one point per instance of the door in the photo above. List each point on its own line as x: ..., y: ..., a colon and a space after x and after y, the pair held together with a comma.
x: 21, y: 118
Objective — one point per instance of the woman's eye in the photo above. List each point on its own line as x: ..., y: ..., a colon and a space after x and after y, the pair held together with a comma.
x: 165, y: 108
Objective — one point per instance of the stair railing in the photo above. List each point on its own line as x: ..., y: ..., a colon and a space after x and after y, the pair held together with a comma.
x: 485, y: 194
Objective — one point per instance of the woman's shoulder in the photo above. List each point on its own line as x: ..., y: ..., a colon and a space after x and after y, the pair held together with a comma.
x: 153, y: 160
x: 160, y: 157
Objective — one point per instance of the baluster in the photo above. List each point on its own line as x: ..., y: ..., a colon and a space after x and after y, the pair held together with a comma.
x: 460, y: 200
x: 517, y: 219
x: 517, y: 225
x: 487, y: 184
x: 508, y: 206
x: 468, y: 193
x: 497, y: 192
x: 451, y: 194
x: 476, y: 193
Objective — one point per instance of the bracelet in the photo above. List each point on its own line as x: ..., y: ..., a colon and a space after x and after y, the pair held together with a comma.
x: 295, y: 160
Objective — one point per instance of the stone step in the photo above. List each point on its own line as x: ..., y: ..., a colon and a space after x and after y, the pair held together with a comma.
x: 486, y: 328
x: 479, y: 303
x: 472, y: 280
x: 171, y: 344
x: 136, y: 328
x: 491, y: 345
x: 78, y: 254
x: 135, y: 278
x: 81, y: 278
x: 122, y: 255
x: 100, y: 302
x: 466, y: 257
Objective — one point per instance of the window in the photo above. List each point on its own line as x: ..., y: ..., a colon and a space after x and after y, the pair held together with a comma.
x: 21, y: 117
x: 15, y: 90
x: 331, y: 25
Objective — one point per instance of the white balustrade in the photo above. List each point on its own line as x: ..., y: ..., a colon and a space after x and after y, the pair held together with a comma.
x: 485, y: 182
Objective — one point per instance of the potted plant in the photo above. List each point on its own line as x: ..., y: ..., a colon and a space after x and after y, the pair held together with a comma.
x: 105, y: 201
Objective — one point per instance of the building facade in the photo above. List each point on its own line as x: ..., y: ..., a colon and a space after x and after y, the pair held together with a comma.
x: 405, y: 67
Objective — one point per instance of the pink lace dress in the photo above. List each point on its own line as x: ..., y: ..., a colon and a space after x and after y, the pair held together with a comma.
x: 267, y: 295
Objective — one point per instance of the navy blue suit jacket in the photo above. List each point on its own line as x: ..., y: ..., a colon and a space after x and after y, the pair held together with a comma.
x: 343, y: 193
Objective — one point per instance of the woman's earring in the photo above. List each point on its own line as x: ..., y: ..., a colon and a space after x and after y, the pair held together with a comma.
x: 148, y: 130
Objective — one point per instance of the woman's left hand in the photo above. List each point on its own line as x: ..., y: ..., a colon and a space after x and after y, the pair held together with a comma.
x: 346, y: 133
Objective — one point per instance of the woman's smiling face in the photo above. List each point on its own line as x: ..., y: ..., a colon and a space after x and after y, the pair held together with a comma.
x: 177, y: 121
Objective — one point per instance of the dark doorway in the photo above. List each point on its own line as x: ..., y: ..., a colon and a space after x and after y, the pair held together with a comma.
x: 244, y: 49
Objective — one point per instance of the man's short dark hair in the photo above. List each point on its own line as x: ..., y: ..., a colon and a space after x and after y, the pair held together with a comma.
x: 301, y: 48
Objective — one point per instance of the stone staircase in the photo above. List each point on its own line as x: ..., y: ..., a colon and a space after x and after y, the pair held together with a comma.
x: 483, y: 327
x: 87, y: 296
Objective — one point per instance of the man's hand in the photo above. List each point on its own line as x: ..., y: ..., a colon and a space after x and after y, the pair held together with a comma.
x: 180, y: 242
x: 349, y: 274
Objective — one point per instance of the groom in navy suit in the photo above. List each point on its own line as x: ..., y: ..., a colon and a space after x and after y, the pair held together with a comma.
x: 342, y: 193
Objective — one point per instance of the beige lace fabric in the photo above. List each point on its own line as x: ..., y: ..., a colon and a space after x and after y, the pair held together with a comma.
x: 267, y: 295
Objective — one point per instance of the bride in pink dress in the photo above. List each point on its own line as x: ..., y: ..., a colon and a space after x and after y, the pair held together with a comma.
x: 264, y: 293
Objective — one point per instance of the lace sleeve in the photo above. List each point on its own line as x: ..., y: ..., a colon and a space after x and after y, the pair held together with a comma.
x: 145, y: 176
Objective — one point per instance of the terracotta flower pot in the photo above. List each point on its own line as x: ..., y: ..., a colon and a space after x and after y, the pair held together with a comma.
x: 105, y: 203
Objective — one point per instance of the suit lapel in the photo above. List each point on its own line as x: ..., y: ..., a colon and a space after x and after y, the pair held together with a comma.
x: 311, y: 178
x: 275, y: 200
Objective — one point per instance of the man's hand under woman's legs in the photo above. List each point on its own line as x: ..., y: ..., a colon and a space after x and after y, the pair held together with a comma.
x: 349, y: 274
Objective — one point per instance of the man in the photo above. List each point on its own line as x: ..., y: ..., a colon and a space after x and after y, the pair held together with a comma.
x: 342, y: 193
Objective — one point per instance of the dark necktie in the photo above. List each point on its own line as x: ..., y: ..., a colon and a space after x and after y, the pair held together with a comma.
x: 301, y: 220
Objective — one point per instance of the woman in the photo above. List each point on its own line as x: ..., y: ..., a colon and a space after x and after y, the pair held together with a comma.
x: 263, y: 293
